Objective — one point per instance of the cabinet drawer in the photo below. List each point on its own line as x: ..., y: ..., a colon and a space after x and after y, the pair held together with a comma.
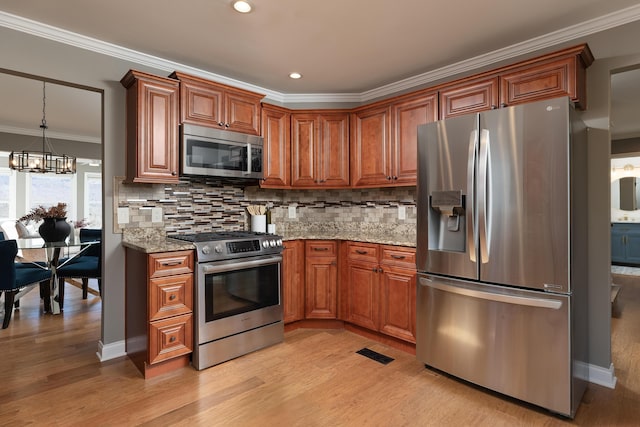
x: 170, y: 296
x: 170, y: 338
x: 320, y: 248
x: 399, y: 257
x: 363, y: 252
x: 170, y: 263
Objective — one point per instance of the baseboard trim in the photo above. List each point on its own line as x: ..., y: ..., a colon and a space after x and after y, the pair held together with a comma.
x: 110, y: 351
x: 602, y: 376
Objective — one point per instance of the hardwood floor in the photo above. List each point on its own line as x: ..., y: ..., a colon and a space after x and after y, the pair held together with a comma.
x: 315, y: 378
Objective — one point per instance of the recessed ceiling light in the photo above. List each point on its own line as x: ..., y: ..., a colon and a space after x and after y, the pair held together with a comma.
x: 295, y: 75
x: 242, y: 6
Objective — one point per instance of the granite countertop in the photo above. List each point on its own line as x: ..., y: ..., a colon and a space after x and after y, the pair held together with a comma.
x: 396, y: 234
x: 151, y: 240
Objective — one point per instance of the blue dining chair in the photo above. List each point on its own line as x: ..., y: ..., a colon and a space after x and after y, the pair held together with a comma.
x: 88, y: 265
x: 15, y: 282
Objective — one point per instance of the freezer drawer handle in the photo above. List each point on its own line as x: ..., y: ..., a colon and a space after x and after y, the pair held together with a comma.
x: 509, y: 299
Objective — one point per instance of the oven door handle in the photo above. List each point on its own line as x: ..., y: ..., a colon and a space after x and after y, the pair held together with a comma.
x: 244, y: 263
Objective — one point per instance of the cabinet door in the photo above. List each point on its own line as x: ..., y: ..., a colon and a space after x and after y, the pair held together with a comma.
x: 242, y: 111
x: 333, y: 150
x: 398, y: 303
x: 321, y: 288
x: 617, y: 245
x: 632, y: 247
x: 407, y: 115
x: 170, y: 338
x: 321, y: 279
x: 363, y: 294
x: 469, y: 97
x: 276, y: 131
x: 544, y: 81
x: 303, y: 149
x: 201, y: 103
x: 293, y: 281
x: 152, y: 128
x: 370, y: 147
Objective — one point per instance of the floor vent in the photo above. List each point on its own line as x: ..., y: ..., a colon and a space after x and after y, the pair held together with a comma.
x: 374, y: 355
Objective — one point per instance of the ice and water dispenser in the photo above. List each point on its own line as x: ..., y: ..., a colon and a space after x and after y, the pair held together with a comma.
x: 447, y: 221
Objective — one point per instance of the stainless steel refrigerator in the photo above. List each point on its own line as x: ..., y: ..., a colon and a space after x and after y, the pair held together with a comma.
x: 502, y: 251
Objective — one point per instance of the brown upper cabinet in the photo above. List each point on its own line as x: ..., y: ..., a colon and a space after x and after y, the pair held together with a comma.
x: 560, y: 73
x: 384, y: 140
x: 320, y: 149
x: 151, y: 128
x: 207, y: 103
x: 276, y: 131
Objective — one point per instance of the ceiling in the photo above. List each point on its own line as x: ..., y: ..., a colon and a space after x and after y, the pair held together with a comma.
x: 357, y: 48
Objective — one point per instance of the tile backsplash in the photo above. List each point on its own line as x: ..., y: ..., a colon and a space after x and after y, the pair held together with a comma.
x: 201, y: 205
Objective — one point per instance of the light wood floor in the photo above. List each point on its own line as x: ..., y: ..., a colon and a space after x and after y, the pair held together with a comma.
x: 315, y: 378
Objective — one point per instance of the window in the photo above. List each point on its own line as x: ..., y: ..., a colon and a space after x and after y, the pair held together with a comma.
x: 48, y: 190
x: 93, y: 199
x: 7, y: 194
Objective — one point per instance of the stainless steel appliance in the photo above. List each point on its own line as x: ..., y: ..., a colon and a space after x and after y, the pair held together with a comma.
x: 215, y: 152
x: 238, y: 306
x: 501, y: 251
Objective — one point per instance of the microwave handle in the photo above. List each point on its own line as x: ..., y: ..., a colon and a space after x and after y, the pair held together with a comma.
x: 248, y: 171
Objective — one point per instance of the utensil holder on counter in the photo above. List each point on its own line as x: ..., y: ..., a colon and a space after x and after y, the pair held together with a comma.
x: 259, y: 223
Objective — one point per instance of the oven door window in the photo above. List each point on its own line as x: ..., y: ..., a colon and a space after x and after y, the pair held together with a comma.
x: 216, y: 155
x: 240, y: 291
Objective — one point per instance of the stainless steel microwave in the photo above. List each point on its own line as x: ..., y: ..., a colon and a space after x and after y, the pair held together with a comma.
x: 215, y: 152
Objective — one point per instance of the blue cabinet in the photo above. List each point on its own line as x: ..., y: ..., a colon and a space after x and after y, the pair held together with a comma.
x: 625, y: 243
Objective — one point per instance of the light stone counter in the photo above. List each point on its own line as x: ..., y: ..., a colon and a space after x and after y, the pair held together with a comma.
x: 151, y: 240
x: 388, y: 234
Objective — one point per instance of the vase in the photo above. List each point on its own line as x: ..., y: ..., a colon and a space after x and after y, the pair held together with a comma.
x: 54, y: 229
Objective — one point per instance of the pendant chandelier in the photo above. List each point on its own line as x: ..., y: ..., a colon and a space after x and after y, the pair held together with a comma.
x: 42, y: 161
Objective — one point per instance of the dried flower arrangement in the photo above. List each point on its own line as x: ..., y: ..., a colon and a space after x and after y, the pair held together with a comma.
x: 40, y: 212
x: 81, y: 223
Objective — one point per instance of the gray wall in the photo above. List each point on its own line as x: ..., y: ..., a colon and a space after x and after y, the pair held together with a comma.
x: 33, y: 55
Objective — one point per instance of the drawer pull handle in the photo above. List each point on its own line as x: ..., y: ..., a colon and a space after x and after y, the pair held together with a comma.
x: 172, y: 297
x: 171, y: 263
x: 361, y: 252
x: 320, y: 249
x: 172, y: 339
x: 398, y: 256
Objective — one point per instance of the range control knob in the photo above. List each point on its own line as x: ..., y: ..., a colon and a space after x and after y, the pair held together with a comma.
x: 218, y: 249
x: 272, y: 243
x: 265, y: 243
x: 206, y: 250
x: 279, y: 242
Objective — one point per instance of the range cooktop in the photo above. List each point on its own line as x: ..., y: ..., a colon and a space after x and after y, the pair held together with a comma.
x: 223, y: 245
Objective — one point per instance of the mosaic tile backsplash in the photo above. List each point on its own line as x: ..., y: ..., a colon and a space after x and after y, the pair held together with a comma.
x: 200, y: 205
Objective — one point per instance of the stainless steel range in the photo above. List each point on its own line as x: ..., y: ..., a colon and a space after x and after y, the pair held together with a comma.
x: 238, y: 305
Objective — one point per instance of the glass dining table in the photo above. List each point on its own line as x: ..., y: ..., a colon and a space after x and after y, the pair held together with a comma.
x: 56, y: 255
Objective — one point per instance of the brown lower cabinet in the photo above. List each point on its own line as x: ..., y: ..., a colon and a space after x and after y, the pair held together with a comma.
x: 159, y: 310
x: 381, y: 289
x: 375, y: 288
x: 293, y: 281
x: 321, y: 279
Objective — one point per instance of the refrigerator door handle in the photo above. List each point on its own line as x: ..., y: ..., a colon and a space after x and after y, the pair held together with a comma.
x: 471, y: 168
x: 508, y: 299
x: 483, y: 175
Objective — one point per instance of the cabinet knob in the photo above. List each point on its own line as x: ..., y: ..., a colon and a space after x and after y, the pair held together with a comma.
x: 361, y: 252
x: 172, y: 339
x: 172, y: 297
x: 494, y: 107
x: 375, y: 270
x: 227, y: 125
x: 395, y: 177
x: 220, y: 124
x: 388, y: 178
x: 504, y: 104
x: 173, y: 173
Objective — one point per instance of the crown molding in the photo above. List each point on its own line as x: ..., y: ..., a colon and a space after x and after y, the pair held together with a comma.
x: 573, y: 32
x: 50, y: 134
